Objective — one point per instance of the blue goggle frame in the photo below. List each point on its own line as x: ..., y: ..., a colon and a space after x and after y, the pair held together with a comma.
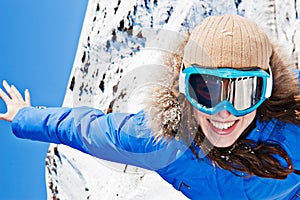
x: 226, y: 73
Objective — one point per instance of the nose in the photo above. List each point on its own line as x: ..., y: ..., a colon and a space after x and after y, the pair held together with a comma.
x: 224, y: 113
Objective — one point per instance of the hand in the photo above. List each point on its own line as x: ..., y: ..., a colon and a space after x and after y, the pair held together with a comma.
x: 14, y: 101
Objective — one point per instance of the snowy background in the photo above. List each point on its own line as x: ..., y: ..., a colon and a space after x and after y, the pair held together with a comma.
x: 118, y: 39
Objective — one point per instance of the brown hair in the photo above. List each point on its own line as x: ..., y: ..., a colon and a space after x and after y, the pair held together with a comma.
x: 253, y: 158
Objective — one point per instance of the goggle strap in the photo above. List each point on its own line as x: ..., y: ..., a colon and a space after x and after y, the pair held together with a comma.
x: 182, y: 83
x: 269, y: 84
x: 182, y: 80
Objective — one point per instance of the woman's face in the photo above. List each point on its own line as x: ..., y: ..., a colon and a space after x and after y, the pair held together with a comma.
x: 223, y: 128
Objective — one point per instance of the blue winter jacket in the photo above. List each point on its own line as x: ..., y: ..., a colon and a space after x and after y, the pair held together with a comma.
x: 125, y: 138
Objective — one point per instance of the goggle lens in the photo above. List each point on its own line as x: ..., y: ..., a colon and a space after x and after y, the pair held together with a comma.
x: 209, y: 90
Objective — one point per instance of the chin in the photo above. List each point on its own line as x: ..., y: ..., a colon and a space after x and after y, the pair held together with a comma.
x: 222, y: 144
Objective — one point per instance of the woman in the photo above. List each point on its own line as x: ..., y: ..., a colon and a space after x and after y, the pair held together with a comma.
x: 228, y: 129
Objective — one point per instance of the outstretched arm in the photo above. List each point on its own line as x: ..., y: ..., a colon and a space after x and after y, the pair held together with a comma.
x: 13, y: 100
x: 118, y: 137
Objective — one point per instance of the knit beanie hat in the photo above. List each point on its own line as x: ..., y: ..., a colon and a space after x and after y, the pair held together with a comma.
x: 228, y: 41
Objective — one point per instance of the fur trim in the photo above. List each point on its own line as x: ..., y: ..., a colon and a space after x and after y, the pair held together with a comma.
x: 164, y: 105
x: 284, y: 73
x: 164, y: 112
x: 284, y: 103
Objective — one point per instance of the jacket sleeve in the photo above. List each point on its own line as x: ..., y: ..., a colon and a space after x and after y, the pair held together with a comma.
x: 118, y: 137
x: 53, y: 125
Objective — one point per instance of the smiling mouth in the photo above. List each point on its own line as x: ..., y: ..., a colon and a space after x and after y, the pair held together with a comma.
x: 223, y: 127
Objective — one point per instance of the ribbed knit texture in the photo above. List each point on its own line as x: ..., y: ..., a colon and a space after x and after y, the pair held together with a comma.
x: 228, y: 41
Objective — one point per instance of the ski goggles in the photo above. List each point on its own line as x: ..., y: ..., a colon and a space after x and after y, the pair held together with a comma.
x: 237, y: 91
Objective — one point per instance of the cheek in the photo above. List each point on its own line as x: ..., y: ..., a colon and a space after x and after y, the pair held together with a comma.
x: 248, y: 119
x: 201, y: 117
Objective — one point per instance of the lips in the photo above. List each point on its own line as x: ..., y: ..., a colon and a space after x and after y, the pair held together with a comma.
x: 222, y: 128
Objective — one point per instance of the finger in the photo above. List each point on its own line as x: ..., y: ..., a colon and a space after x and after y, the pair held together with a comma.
x: 5, y: 85
x: 17, y: 93
x: 4, y: 96
x: 8, y: 89
x: 27, y: 97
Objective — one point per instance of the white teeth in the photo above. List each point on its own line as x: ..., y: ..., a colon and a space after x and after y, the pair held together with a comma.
x: 222, y: 125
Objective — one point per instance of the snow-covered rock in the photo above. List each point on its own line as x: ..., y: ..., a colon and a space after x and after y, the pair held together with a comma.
x: 121, y: 43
